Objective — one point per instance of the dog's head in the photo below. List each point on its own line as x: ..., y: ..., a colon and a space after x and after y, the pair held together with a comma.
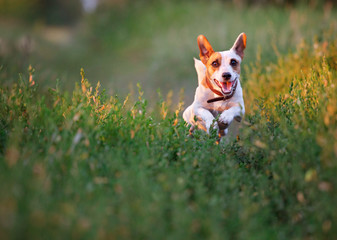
x: 222, y: 68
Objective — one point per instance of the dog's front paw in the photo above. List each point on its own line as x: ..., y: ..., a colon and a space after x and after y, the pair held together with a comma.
x: 212, y: 126
x: 225, y: 121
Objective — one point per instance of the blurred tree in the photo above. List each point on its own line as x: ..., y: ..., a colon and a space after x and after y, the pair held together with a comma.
x: 64, y: 12
x: 25, y: 9
x: 59, y: 12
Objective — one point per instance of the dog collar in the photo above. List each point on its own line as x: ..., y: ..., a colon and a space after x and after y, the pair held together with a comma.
x: 221, y: 98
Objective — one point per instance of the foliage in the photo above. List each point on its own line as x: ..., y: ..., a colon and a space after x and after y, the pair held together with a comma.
x: 60, y: 12
x: 85, y: 165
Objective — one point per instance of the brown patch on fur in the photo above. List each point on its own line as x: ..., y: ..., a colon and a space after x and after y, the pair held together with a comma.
x: 210, y: 86
x: 216, y: 56
x: 237, y: 68
x: 229, y: 105
x: 233, y: 104
x: 244, y: 39
x: 205, y: 48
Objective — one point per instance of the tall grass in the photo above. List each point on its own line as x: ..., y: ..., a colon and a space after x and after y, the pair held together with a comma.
x: 86, y: 165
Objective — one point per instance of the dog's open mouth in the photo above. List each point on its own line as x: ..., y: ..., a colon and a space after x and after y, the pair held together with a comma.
x: 226, y: 87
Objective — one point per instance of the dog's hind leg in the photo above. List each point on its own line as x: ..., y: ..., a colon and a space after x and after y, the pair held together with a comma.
x: 191, y: 131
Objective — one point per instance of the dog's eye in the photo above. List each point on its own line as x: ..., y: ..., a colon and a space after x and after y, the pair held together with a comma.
x: 215, y: 64
x: 233, y: 62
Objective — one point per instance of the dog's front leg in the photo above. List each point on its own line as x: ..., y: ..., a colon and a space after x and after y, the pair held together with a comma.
x: 228, y: 115
x: 205, y: 119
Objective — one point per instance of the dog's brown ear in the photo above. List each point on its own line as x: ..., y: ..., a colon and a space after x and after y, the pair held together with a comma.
x: 205, y: 47
x: 240, y: 45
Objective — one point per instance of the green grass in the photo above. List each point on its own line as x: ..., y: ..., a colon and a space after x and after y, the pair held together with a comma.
x: 88, y: 165
x: 80, y: 162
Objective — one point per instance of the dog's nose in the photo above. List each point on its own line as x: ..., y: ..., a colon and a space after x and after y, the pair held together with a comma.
x: 226, y: 75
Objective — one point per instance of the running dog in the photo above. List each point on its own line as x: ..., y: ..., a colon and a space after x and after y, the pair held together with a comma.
x: 218, y: 98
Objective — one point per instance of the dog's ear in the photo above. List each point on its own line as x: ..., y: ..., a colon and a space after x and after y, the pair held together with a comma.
x: 205, y: 47
x: 240, y: 45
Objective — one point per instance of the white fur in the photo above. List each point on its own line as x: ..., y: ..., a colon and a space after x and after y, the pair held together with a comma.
x: 205, y: 112
x: 226, y: 67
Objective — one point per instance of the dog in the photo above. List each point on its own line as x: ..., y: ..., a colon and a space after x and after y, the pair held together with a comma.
x: 218, y: 98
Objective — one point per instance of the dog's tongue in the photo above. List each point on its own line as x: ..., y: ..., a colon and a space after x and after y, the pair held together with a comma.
x: 226, y: 86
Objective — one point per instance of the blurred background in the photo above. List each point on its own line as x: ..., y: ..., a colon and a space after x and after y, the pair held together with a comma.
x: 122, y: 42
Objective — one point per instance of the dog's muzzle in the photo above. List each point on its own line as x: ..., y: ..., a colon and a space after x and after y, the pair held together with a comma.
x: 227, y: 87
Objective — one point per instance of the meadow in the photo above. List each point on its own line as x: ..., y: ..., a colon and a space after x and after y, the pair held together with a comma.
x: 79, y: 160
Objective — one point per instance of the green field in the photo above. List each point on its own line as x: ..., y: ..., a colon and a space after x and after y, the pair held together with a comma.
x: 82, y: 159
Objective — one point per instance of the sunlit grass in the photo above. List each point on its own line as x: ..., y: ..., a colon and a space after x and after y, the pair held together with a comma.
x: 89, y: 165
